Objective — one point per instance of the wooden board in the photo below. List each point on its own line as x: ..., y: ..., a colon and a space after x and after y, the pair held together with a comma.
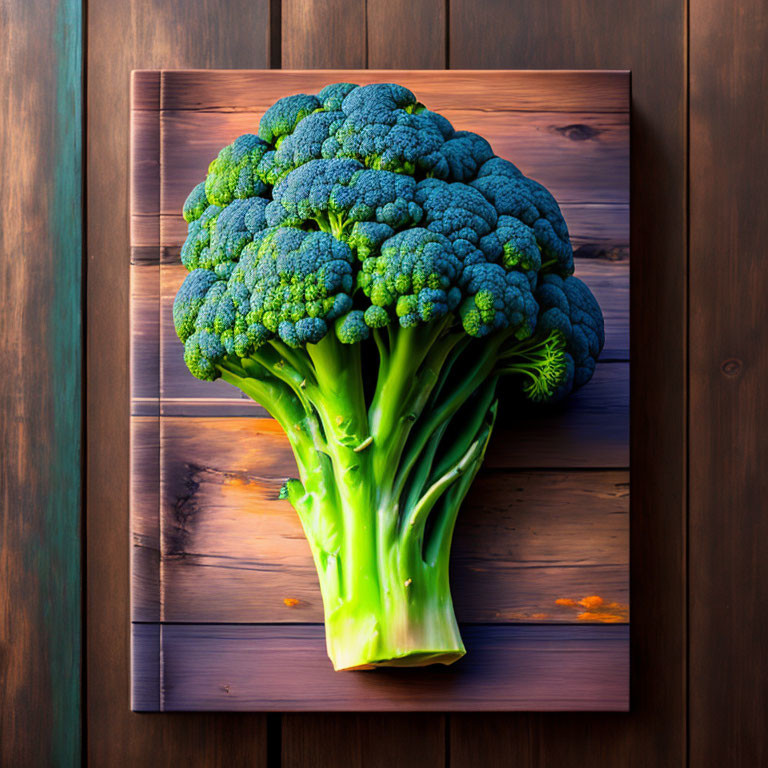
x: 282, y: 667
x: 728, y: 524
x: 211, y: 542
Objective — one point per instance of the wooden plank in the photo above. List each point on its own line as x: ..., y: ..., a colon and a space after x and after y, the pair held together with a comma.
x: 122, y: 35
x: 410, y: 740
x: 597, y: 230
x: 284, y: 668
x: 233, y: 552
x: 524, y: 89
x: 590, y: 429
x: 40, y: 391
x: 573, y: 168
x: 608, y: 280
x: 390, y: 40
x: 597, y: 33
x: 728, y: 525
x: 341, y: 41
x: 145, y: 519
x: 145, y: 160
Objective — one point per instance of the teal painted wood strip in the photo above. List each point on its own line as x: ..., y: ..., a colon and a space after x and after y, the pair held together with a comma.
x: 61, y: 572
x: 41, y: 421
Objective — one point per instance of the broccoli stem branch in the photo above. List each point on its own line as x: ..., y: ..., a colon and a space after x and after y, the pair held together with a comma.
x: 455, y: 395
x: 402, y: 390
x: 438, y: 548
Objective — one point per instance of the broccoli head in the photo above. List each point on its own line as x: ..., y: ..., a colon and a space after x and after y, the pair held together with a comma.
x: 370, y: 275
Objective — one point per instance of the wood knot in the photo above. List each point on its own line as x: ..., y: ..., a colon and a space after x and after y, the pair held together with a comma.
x: 578, y: 131
x: 731, y: 367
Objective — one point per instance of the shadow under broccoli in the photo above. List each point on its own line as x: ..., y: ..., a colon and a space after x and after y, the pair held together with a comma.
x: 377, y: 280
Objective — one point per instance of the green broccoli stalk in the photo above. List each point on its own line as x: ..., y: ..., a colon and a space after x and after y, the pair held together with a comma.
x: 378, y: 281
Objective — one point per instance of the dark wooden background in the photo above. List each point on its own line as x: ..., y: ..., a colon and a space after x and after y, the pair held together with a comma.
x: 699, y: 449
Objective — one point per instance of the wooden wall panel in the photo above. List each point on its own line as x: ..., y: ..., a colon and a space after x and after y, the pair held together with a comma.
x: 123, y: 36
x: 40, y: 385
x: 649, y: 39
x: 728, y: 575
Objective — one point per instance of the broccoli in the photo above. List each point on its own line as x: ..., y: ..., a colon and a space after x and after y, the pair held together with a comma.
x: 378, y: 281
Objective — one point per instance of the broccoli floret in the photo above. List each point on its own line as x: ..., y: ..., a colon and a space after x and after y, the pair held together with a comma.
x: 415, y: 275
x: 465, y: 152
x: 377, y: 280
x: 455, y: 210
x: 233, y: 173
x: 383, y: 129
x: 513, y: 244
x: 334, y: 94
x: 497, y: 300
x: 338, y: 193
x: 513, y: 194
x: 195, y: 204
x: 285, y: 114
x: 568, y: 306
x: 195, y: 251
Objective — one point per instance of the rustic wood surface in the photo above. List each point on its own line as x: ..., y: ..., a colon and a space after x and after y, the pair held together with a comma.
x: 284, y: 667
x: 728, y: 574
x: 232, y: 551
x: 229, y: 550
x: 649, y: 37
x: 41, y: 383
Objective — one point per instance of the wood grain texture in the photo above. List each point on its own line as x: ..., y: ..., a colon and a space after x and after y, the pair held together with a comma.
x: 418, y: 43
x: 599, y: 33
x: 341, y: 42
x: 283, y: 667
x: 363, y: 741
x: 233, y: 552
x: 728, y: 527
x: 123, y: 36
x: 145, y: 659
x: 40, y: 389
x: 551, y: 91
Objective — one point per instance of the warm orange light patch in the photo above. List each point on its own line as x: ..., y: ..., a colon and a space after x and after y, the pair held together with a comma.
x: 602, y: 616
x: 291, y: 602
x: 597, y: 609
x: 539, y: 616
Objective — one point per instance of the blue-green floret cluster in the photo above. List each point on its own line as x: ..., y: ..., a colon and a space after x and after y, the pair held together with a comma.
x: 357, y: 208
x: 369, y: 275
